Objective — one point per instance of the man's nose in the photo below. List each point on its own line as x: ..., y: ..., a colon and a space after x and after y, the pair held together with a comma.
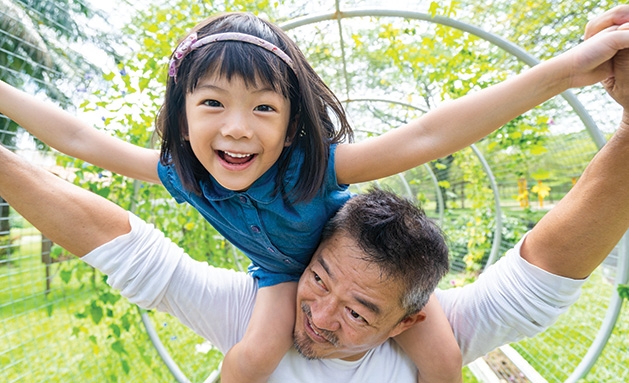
x: 325, y: 314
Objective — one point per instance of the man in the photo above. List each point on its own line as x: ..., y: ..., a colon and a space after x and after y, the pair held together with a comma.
x: 348, y: 304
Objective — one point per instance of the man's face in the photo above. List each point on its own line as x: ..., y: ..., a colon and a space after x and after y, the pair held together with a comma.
x: 345, y: 307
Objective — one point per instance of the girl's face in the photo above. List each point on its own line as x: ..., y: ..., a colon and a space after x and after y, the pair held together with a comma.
x: 236, y: 132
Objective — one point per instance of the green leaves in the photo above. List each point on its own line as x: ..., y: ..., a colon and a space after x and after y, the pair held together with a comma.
x: 623, y: 291
x: 95, y: 312
x: 65, y: 275
x: 118, y: 347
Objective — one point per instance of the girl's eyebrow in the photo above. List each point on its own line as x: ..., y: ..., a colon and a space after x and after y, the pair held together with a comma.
x: 211, y: 86
x: 267, y: 89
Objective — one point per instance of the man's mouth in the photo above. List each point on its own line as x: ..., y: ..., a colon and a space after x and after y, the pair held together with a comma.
x: 235, y: 158
x: 312, y: 329
x: 318, y: 335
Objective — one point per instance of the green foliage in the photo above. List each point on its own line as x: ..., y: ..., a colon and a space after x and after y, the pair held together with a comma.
x: 5, y: 249
x: 623, y: 291
x: 480, y: 220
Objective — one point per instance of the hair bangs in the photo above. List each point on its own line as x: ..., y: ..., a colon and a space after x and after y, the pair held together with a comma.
x: 229, y: 59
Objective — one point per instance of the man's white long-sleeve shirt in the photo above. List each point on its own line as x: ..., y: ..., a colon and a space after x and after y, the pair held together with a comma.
x: 511, y: 300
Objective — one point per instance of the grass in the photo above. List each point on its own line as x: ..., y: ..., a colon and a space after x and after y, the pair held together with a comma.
x: 557, y: 352
x: 468, y: 377
x: 42, y: 340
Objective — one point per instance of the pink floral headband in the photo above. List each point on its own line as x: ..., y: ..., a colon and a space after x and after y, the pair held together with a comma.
x: 191, y: 43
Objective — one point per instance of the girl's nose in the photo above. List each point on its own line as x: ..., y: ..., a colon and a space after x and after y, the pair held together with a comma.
x: 237, y: 127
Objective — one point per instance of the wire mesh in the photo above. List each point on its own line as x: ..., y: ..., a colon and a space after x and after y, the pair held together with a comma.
x: 377, y: 66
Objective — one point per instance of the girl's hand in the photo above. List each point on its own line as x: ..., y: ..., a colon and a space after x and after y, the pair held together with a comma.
x: 615, y: 17
x: 594, y: 60
x: 616, y: 84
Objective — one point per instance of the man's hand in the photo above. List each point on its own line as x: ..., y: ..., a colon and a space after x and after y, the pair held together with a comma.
x: 617, y: 85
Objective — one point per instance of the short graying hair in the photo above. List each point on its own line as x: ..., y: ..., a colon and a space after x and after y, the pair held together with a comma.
x: 399, y: 238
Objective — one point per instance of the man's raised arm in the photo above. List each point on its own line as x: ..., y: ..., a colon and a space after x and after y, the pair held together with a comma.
x: 578, y: 233
x: 74, y: 218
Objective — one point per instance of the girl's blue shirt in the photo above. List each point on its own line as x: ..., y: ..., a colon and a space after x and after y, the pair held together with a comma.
x: 278, y: 236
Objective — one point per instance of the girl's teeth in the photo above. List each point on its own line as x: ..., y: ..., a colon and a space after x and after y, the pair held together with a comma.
x: 238, y: 155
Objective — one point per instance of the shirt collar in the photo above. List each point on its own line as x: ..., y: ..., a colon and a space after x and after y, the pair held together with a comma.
x: 261, y: 191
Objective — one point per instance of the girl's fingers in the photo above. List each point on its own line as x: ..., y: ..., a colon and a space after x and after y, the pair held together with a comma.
x: 616, y: 16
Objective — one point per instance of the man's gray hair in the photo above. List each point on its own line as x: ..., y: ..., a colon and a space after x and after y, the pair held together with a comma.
x: 399, y: 238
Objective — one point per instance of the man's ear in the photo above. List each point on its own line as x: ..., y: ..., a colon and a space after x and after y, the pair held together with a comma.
x: 407, y: 323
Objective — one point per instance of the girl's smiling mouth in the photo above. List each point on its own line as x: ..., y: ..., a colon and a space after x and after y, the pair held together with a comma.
x: 235, y: 158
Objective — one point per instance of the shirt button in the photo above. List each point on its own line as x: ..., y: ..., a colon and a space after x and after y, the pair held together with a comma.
x: 270, y: 249
x: 287, y: 261
x: 255, y: 229
x: 243, y: 199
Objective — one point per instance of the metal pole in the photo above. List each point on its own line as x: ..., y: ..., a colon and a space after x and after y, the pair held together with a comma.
x: 148, y: 325
x: 495, y: 246
x: 161, y: 350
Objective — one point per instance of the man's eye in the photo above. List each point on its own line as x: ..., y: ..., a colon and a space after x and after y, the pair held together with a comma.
x: 318, y: 280
x: 356, y: 316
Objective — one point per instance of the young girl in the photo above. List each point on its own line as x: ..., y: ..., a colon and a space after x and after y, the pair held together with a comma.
x: 249, y: 139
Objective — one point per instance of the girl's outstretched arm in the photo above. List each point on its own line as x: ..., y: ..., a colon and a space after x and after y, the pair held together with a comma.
x: 459, y: 123
x: 70, y: 135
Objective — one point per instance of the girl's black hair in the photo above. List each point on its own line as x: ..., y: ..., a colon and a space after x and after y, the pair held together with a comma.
x: 311, y: 128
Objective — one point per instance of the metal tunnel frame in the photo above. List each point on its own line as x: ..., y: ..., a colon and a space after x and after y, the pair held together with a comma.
x: 622, y: 274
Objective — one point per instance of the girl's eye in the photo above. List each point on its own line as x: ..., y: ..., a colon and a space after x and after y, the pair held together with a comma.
x: 212, y: 103
x: 264, y: 108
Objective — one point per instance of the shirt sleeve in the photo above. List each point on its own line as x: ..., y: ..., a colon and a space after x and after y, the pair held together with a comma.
x: 153, y: 272
x: 331, y: 180
x: 511, y: 300
x: 171, y: 181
